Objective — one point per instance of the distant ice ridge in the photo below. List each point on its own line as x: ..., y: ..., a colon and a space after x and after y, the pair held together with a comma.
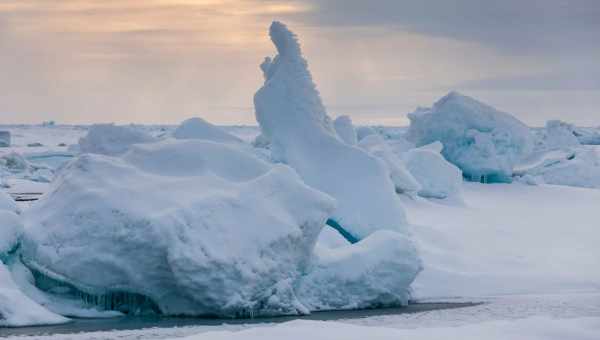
x: 110, y: 139
x: 561, y: 159
x: 197, y: 227
x: 198, y: 128
x: 483, y: 142
x: 293, y: 118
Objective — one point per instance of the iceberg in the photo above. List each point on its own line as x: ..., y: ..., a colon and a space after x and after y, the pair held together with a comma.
x: 483, y: 142
x: 198, y: 128
x: 293, y: 118
x: 437, y: 177
x: 110, y: 139
x: 180, y: 227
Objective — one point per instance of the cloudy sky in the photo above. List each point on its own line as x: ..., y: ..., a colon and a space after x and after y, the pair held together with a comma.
x: 161, y: 61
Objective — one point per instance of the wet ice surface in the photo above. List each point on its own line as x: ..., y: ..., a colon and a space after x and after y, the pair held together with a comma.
x: 173, y: 326
x: 436, y: 315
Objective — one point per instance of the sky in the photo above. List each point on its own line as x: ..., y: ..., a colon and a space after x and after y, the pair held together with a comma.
x: 162, y: 61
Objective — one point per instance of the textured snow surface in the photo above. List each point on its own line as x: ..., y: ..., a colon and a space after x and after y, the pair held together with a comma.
x: 197, y: 227
x: 483, y: 142
x: 198, y: 128
x: 292, y: 116
x: 110, y: 139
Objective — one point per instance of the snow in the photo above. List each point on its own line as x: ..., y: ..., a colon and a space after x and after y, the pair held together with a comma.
x: 345, y: 129
x: 507, y: 239
x: 198, y: 128
x: 372, y: 272
x: 534, y: 328
x: 437, y: 177
x: 292, y: 116
x: 110, y: 139
x: 218, y: 232
x: 483, y: 142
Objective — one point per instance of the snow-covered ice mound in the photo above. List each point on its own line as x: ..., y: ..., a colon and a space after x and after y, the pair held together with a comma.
x: 293, y: 118
x: 371, y: 273
x: 437, y: 177
x: 198, y: 128
x: 16, y: 309
x: 482, y: 141
x: 345, y: 129
x: 196, y: 227
x: 110, y: 139
x: 403, y: 180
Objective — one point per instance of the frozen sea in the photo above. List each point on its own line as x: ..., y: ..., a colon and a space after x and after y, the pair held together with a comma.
x: 528, y: 256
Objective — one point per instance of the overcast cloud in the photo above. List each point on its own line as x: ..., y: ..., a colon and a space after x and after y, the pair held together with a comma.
x: 160, y: 61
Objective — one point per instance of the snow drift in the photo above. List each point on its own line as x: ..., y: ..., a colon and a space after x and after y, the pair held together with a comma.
x: 483, y: 142
x: 293, y: 118
x: 194, y: 227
